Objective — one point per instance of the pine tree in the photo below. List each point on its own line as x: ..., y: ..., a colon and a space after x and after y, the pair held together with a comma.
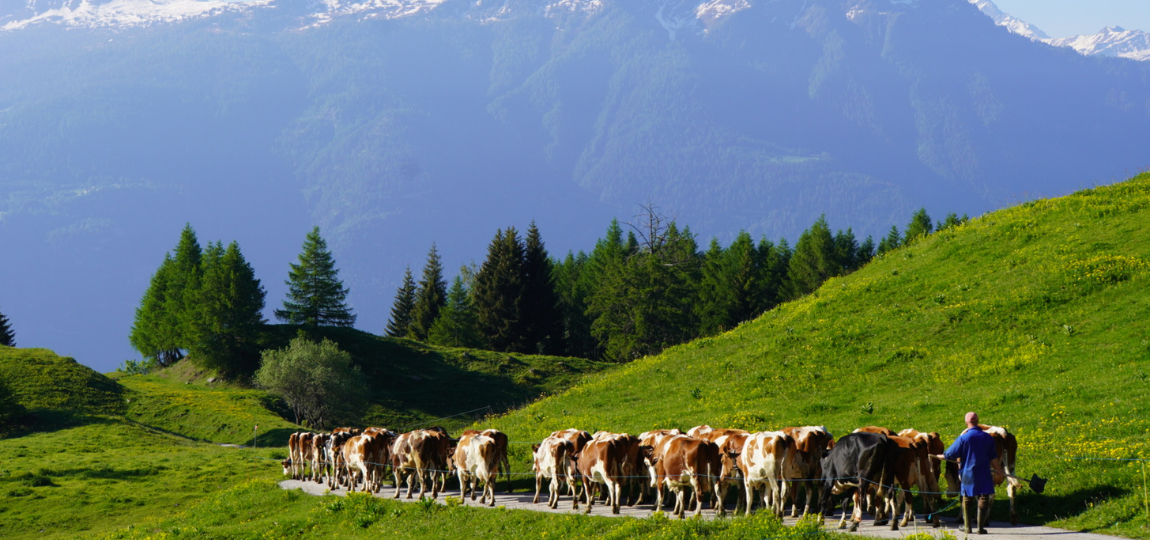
x: 7, y: 335
x: 846, y: 250
x: 456, y: 325
x: 715, y: 293
x: 733, y: 286
x: 866, y: 251
x: 229, y: 312
x: 892, y: 241
x: 315, y: 293
x: 539, y: 306
x: 573, y: 288
x: 400, y: 321
x: 918, y: 227
x: 776, y: 260
x: 814, y: 261
x: 429, y: 298
x: 499, y: 291
x: 184, y: 282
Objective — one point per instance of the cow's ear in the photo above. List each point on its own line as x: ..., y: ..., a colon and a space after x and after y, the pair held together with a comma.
x: 534, y: 448
x: 732, y: 454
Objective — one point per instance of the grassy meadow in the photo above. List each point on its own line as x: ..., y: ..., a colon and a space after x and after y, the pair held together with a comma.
x: 1034, y: 316
x: 1037, y: 317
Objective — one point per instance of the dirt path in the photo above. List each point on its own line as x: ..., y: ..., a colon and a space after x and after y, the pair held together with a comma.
x: 522, y: 501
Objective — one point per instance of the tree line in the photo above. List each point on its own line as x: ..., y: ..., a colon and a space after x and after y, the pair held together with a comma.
x: 637, y: 292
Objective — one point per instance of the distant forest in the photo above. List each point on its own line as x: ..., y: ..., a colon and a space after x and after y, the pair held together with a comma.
x: 644, y: 287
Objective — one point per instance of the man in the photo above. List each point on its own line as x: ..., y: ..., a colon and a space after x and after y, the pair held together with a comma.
x: 975, y: 450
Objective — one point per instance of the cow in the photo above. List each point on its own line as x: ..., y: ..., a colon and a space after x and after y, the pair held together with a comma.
x: 631, y: 467
x: 730, y: 442
x: 551, y: 459
x: 578, y: 439
x: 764, y: 457
x: 421, y: 455
x: 501, y: 442
x: 1007, y: 447
x: 875, y: 429
x: 855, y: 463
x: 599, y: 462
x: 317, y: 454
x: 378, y: 455
x: 476, y: 458
x: 303, y: 442
x: 805, y: 470
x: 653, y: 439
x: 932, y: 470
x: 293, y: 455
x: 354, y: 457
x: 685, y: 462
x: 335, y: 467
x: 908, y: 473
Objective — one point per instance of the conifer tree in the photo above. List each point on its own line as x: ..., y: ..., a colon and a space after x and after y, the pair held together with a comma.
x: 316, y: 295
x: 573, y: 287
x: 866, y: 251
x: 715, y: 293
x: 847, y: 250
x: 499, y: 291
x: 892, y: 241
x: 814, y: 261
x: 7, y: 335
x: 228, y: 312
x: 429, y: 298
x: 919, y: 226
x: 400, y: 320
x: 539, y: 306
x: 162, y: 328
x: 456, y: 325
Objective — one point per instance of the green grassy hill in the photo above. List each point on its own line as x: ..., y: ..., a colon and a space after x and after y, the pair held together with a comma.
x: 44, y: 382
x: 1037, y: 317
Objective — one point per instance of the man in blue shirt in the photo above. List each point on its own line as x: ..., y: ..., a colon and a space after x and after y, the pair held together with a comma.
x: 975, y: 450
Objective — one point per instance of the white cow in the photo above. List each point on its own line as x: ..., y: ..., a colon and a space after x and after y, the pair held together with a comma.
x: 764, y: 457
x: 476, y: 460
x: 552, y: 460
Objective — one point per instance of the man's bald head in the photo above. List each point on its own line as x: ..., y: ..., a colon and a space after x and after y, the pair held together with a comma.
x: 972, y: 419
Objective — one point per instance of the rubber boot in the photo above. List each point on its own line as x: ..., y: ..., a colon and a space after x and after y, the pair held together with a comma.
x: 966, y: 515
x: 983, y: 513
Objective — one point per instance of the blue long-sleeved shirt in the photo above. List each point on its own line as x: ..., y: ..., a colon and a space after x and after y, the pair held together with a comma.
x: 976, y: 450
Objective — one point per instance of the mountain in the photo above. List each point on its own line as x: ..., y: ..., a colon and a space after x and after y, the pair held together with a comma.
x: 1112, y: 41
x: 394, y: 124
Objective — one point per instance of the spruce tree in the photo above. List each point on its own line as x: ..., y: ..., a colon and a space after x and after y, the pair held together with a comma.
x: 429, y: 298
x: 573, y: 288
x: 814, y: 261
x: 918, y: 227
x: 7, y: 335
x: 715, y: 293
x: 316, y: 295
x: 866, y: 251
x: 846, y: 250
x: 499, y: 291
x: 456, y: 325
x: 162, y: 329
x: 400, y: 320
x: 539, y: 307
x: 229, y: 312
x: 892, y: 241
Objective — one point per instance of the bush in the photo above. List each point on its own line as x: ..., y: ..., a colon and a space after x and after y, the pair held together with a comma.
x: 318, y: 381
x: 10, y: 409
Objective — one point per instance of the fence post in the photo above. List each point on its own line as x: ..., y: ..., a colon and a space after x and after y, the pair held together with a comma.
x: 1145, y: 499
x: 255, y: 437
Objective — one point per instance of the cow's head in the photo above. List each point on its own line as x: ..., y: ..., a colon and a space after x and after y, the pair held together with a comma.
x: 648, y: 453
x: 730, y: 461
x: 287, y: 466
x: 534, y: 448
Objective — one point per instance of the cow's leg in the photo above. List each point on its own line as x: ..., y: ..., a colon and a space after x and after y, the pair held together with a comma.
x: 588, y: 495
x: 857, y: 511
x: 616, y: 489
x: 749, y: 490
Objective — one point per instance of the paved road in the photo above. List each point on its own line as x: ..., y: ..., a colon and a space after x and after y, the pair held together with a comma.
x: 522, y: 501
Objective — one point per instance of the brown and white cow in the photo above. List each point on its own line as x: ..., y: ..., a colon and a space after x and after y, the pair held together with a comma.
x: 1007, y: 447
x: 806, y: 469
x: 578, y: 439
x: 294, y: 455
x: 317, y: 455
x: 599, y: 462
x: 876, y: 429
x: 685, y: 462
x: 908, y: 474
x: 931, y: 469
x: 730, y: 442
x: 378, y: 455
x: 631, y: 469
x: 551, y: 459
x: 354, y: 457
x: 764, y: 457
x: 476, y: 459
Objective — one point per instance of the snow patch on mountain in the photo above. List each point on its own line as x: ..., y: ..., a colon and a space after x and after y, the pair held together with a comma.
x: 587, y: 7
x: 374, y: 9
x: 713, y: 10
x: 1112, y: 41
x: 128, y: 13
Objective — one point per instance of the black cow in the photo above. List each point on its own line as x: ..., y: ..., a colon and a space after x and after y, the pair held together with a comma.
x: 858, y: 462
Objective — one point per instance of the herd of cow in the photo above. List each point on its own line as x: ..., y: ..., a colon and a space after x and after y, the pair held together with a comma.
x: 876, y: 467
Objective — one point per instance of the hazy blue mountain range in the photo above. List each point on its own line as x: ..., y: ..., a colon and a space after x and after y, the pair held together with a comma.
x: 1112, y: 41
x: 396, y: 123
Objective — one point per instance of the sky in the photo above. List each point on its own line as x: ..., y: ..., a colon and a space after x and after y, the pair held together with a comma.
x: 1065, y: 18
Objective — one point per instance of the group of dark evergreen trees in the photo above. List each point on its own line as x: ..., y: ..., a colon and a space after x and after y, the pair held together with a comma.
x: 207, y: 302
x: 636, y: 293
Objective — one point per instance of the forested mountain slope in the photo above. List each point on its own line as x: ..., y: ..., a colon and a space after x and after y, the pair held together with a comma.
x: 1033, y: 316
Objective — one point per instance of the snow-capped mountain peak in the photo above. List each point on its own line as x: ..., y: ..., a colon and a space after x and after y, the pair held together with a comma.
x: 1111, y: 41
